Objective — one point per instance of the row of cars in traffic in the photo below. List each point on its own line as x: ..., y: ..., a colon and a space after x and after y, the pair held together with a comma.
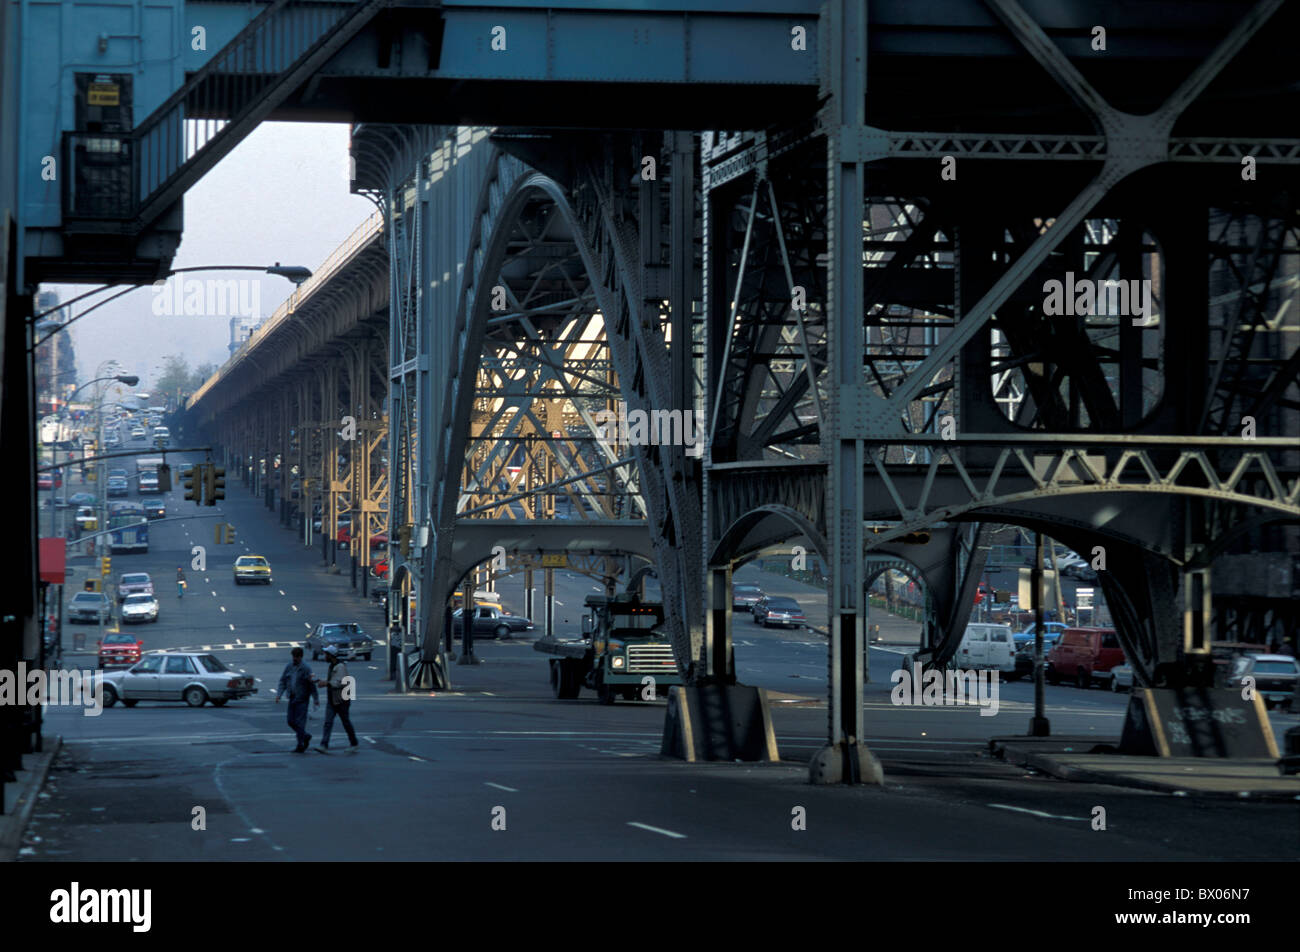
x: 1094, y: 656
x: 200, y: 677
x: 138, y: 602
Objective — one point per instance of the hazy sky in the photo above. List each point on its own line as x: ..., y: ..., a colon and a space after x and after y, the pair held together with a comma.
x: 281, y: 195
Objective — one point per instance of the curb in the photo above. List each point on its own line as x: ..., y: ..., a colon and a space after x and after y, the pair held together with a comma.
x: 1054, y: 768
x: 12, y: 840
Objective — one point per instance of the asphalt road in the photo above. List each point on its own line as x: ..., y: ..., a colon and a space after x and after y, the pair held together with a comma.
x: 497, y: 769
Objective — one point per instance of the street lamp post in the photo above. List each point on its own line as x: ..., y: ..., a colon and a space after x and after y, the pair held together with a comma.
x: 100, y: 545
x: 295, y: 273
x: 64, y: 475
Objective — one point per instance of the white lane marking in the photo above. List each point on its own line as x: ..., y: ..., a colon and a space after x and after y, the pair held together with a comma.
x: 488, y: 693
x: 223, y: 608
x: 238, y: 641
x: 214, y: 594
x: 1045, y: 816
x: 307, y: 625
x: 273, y: 644
x: 413, y: 757
x: 370, y: 739
x: 281, y: 591
x: 294, y: 607
x: 232, y: 628
x: 499, y: 787
x: 655, y: 829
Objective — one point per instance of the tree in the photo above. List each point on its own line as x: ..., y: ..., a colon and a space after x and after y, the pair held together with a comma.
x: 174, y: 379
x: 200, y: 376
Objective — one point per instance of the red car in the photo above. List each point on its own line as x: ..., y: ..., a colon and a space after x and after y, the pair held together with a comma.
x: 119, y: 649
x: 49, y: 480
x: 377, y: 541
x: 1084, y: 654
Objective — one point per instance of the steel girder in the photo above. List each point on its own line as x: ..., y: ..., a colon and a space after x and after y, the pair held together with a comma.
x: 542, y: 363
x: 951, y: 326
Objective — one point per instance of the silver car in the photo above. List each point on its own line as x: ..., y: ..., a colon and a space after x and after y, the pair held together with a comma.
x: 139, y: 607
x: 194, y: 677
x: 1121, y: 678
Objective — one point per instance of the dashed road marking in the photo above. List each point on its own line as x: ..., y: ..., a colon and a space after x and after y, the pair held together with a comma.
x: 499, y: 787
x: 223, y: 608
x: 1045, y: 816
x: 232, y: 627
x: 655, y: 829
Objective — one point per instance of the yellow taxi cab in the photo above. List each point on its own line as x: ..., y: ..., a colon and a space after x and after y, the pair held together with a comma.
x: 252, y: 568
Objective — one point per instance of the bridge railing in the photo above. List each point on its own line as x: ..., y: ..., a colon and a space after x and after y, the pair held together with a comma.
x: 361, y: 237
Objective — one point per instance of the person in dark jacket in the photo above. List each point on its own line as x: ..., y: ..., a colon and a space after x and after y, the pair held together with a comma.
x: 298, y: 683
x: 340, y: 686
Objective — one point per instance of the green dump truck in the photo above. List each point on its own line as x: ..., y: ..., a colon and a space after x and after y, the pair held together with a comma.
x: 624, y: 652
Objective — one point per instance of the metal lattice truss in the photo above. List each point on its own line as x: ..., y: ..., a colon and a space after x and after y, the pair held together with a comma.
x: 1255, y: 254
x: 950, y: 488
x: 540, y: 444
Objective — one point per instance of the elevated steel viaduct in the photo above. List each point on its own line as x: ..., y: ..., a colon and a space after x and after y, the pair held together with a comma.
x: 853, y: 299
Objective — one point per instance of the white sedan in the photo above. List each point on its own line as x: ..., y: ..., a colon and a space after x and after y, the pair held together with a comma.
x: 140, y: 607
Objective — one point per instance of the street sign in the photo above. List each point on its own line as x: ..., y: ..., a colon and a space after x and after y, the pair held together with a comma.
x: 1083, y: 597
x: 555, y: 561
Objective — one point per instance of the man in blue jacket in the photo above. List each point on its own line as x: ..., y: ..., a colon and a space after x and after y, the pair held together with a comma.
x: 298, y: 683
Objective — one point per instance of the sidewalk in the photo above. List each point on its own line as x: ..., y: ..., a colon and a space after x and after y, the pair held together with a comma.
x: 1072, y: 758
x: 21, y: 797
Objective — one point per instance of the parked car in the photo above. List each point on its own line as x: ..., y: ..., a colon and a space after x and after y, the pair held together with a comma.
x: 778, y: 610
x: 1121, y: 677
x: 346, y: 637
x: 119, y: 649
x: 86, y: 518
x: 134, y: 583
x: 1051, y: 632
x: 90, y: 606
x: 986, y: 647
x: 252, y: 568
x: 140, y: 608
x: 1275, y: 677
x: 1084, y: 655
x: 491, y: 620
x: 192, y: 677
x: 744, y: 597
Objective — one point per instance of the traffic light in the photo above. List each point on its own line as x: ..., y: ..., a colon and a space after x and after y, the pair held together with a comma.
x: 105, y: 565
x: 164, y: 478
x: 193, y: 479
x: 230, y: 534
x: 215, y: 479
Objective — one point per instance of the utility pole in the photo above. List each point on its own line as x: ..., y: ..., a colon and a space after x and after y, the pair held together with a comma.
x: 1038, y: 727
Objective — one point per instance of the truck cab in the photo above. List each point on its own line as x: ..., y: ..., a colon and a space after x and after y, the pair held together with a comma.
x: 624, y: 652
